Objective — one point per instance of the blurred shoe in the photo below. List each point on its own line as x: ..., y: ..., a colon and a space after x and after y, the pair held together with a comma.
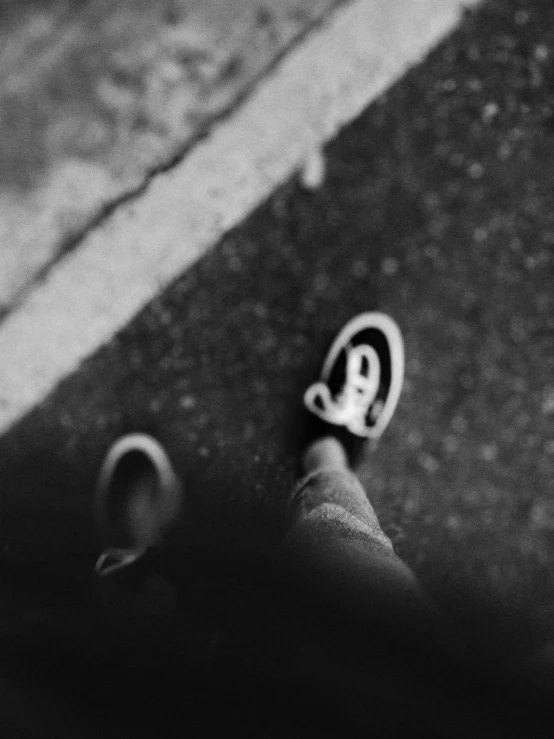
x: 138, y: 496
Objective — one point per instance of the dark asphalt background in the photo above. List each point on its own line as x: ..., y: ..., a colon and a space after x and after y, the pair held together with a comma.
x: 436, y: 208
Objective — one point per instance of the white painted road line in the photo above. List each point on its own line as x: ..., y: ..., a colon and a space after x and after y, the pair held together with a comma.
x: 319, y: 87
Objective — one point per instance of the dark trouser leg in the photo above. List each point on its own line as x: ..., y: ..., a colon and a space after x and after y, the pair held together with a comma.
x: 336, y: 546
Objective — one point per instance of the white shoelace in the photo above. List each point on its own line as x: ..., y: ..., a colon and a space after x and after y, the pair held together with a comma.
x: 350, y: 406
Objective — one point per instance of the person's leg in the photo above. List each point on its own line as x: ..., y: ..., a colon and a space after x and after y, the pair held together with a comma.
x: 334, y: 542
x: 375, y: 644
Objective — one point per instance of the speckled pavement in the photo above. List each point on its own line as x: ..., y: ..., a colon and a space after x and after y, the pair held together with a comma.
x: 436, y: 208
x: 96, y: 96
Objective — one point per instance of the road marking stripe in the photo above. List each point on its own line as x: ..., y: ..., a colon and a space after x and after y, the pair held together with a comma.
x: 320, y: 86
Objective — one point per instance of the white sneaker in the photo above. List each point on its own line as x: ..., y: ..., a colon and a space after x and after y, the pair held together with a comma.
x: 362, y: 376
